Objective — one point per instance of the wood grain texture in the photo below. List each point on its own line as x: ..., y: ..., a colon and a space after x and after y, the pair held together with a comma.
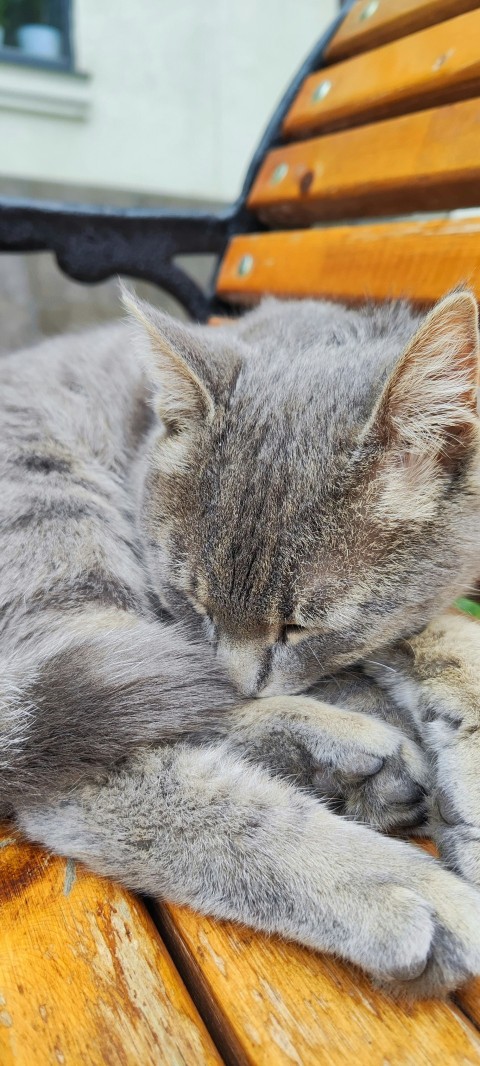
x: 416, y: 260
x: 426, y: 161
x: 436, y: 66
x: 467, y: 1000
x: 84, y: 975
x: 391, y: 19
x: 280, y: 1003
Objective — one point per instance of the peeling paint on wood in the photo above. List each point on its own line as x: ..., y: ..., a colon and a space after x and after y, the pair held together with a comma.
x: 85, y: 977
x: 70, y: 876
x: 268, y: 1002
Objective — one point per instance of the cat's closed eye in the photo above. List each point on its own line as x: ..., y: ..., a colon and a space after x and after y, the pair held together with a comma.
x: 290, y: 631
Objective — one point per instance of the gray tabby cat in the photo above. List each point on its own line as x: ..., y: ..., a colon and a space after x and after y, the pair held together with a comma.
x: 300, y: 492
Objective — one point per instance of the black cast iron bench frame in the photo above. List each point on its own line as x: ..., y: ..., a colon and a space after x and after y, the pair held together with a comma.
x: 92, y: 243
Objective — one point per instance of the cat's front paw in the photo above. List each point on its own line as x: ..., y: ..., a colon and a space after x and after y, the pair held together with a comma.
x: 456, y: 835
x: 366, y: 769
x: 459, y: 846
x: 439, y: 949
x: 392, y: 795
x: 455, y: 815
x: 435, y: 678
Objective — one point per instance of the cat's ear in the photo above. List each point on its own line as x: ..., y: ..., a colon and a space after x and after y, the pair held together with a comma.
x: 429, y: 404
x: 175, y: 361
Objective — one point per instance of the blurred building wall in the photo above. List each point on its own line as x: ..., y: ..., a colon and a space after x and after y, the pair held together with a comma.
x: 175, y: 96
x: 166, y: 104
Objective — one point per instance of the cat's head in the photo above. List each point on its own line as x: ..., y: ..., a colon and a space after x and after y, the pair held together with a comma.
x: 311, y: 488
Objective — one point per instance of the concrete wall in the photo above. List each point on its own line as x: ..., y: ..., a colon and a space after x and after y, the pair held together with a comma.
x: 177, y: 94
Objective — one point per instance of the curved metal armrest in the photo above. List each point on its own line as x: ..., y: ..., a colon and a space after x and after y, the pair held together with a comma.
x: 94, y: 243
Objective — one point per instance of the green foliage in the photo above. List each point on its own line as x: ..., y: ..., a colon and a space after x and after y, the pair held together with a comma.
x: 469, y: 606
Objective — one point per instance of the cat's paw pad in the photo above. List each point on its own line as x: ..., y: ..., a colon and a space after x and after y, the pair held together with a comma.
x: 388, y: 790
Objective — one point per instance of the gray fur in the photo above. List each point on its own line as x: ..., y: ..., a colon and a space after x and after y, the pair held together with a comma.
x: 214, y: 521
x: 203, y: 827
x: 434, y: 678
x: 88, y: 671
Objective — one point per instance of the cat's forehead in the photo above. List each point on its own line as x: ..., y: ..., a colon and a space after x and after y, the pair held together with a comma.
x: 308, y: 367
x: 300, y: 325
x: 287, y: 431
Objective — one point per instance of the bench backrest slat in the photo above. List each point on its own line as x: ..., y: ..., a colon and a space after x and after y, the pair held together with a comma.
x: 371, y: 23
x: 361, y: 142
x: 435, y: 66
x: 426, y: 161
x: 417, y: 260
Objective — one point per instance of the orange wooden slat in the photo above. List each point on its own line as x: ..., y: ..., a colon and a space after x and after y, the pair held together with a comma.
x: 468, y: 1001
x: 426, y: 161
x: 371, y: 23
x: 219, y: 320
x: 436, y: 66
x: 416, y: 260
x: 272, y: 1002
x: 84, y: 975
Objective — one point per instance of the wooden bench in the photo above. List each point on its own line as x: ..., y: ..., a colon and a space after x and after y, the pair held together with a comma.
x: 383, y: 119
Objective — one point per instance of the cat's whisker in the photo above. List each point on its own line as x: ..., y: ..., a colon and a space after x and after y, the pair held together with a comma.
x: 374, y: 662
x: 310, y: 649
x: 330, y: 678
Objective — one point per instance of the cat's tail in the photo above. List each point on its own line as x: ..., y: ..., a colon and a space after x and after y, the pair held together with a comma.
x: 83, y: 699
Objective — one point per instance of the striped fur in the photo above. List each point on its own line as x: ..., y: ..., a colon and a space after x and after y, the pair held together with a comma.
x: 227, y: 514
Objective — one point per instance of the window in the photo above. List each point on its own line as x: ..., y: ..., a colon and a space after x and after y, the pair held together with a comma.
x: 36, y: 33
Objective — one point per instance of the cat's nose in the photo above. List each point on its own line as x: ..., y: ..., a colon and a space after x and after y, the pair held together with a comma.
x: 244, y: 664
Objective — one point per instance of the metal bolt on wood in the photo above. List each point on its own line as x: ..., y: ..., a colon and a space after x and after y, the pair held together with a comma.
x: 321, y: 91
x: 245, y: 265
x: 279, y: 173
x: 369, y: 10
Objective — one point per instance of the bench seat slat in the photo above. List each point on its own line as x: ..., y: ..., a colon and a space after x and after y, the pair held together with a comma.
x: 389, y: 19
x: 417, y: 260
x: 84, y: 975
x: 421, y: 162
x: 281, y: 1003
x: 436, y: 66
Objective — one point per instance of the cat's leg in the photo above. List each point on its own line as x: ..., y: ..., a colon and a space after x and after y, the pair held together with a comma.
x: 202, y: 826
x: 367, y: 768
x: 435, y: 677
